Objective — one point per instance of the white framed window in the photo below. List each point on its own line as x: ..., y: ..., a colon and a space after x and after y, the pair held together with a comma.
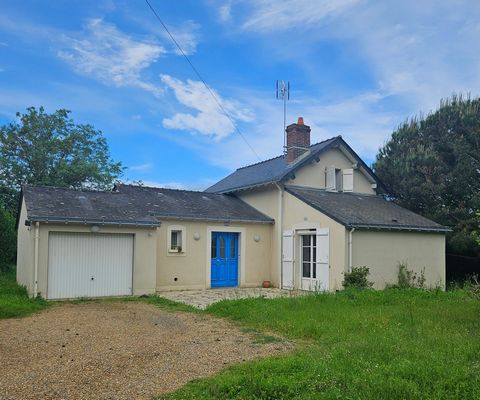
x: 338, y: 180
x: 333, y: 179
x: 176, y: 239
x: 309, y: 256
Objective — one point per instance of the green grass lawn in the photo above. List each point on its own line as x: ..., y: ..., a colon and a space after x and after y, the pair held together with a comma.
x: 394, y: 344
x: 14, y: 300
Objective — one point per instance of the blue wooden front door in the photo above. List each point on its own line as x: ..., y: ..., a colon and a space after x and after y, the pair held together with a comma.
x: 224, y: 255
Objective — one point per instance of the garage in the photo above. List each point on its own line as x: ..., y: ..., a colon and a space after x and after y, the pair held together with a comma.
x: 89, y: 265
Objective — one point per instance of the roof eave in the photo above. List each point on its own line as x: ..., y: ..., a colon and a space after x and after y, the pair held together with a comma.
x: 240, y: 188
x: 93, y: 221
x: 411, y: 228
x: 223, y: 220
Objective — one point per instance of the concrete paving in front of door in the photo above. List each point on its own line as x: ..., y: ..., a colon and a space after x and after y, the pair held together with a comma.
x: 203, y: 298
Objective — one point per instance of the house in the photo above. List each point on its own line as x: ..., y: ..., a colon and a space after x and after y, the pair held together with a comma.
x: 300, y: 220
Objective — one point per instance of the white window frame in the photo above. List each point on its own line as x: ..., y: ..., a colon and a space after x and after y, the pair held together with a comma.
x: 177, y: 228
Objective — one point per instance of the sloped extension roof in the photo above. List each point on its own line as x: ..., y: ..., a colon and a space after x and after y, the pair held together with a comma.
x: 190, y: 205
x: 53, y: 204
x: 364, y: 211
x: 133, y: 205
x: 277, y: 169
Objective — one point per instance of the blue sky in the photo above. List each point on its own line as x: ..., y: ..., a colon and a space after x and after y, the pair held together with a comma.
x: 357, y: 68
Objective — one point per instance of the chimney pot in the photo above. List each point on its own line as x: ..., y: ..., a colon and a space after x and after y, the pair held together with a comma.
x: 300, y: 121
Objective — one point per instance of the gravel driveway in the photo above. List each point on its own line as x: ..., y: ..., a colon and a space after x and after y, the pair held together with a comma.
x: 115, y: 351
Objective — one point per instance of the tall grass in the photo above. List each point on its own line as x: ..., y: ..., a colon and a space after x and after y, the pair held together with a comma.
x: 393, y: 344
x: 14, y: 300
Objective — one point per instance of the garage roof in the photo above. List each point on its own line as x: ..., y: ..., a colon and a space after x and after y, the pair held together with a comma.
x: 355, y: 210
x: 187, y: 204
x: 133, y: 205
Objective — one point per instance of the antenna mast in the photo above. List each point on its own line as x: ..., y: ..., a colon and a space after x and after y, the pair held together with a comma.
x: 282, y: 92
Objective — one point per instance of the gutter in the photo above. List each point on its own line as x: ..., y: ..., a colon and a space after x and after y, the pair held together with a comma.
x: 35, y: 260
x: 280, y: 232
x: 350, y: 249
x: 74, y: 220
x: 244, y: 221
x: 411, y: 228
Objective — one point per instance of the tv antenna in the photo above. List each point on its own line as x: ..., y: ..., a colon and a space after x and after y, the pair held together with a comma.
x: 282, y: 92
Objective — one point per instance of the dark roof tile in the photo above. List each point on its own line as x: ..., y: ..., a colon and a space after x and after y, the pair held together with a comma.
x: 136, y: 205
x: 356, y: 210
x: 265, y: 172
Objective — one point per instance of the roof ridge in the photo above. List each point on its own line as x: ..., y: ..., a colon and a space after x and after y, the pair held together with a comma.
x: 164, y: 188
x: 67, y: 188
x: 274, y: 158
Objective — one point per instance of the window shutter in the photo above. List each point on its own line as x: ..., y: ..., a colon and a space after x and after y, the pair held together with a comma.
x: 287, y: 260
x: 323, y: 263
x: 347, y: 180
x: 330, y: 183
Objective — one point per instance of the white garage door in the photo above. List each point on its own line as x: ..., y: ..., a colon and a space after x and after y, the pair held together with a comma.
x: 89, y: 265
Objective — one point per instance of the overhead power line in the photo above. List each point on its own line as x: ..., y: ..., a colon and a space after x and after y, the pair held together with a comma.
x: 212, y: 93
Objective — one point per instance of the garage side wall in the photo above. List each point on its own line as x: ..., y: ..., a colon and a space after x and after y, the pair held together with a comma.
x: 25, y: 248
x: 191, y: 268
x: 144, y: 254
x: 382, y: 251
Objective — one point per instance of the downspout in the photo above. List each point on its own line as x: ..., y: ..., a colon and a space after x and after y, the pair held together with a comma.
x: 350, y: 249
x: 35, y: 261
x: 280, y: 232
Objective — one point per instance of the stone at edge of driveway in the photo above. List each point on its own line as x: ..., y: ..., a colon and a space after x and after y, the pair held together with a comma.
x: 201, y: 299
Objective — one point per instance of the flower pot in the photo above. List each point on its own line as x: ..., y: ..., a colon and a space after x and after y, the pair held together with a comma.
x: 266, y: 284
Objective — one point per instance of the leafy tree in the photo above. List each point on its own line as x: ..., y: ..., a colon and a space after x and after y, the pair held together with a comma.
x: 8, y: 242
x: 50, y: 149
x: 431, y: 165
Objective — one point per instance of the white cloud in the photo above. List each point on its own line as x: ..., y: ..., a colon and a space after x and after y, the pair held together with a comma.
x: 358, y: 119
x: 273, y: 15
x: 186, y: 36
x: 209, y: 119
x: 111, y: 56
x: 225, y: 12
x: 421, y: 51
x: 141, y: 167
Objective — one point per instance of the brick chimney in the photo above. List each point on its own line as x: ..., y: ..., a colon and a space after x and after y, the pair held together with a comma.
x: 298, y: 140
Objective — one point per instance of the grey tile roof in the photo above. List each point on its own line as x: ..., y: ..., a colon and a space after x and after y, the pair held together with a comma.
x: 268, y: 171
x: 134, y: 205
x: 185, y: 204
x: 363, y: 210
x: 45, y: 203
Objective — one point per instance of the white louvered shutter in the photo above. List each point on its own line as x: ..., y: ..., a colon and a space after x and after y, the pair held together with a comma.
x: 347, y: 179
x: 323, y: 263
x: 330, y: 183
x: 287, y: 260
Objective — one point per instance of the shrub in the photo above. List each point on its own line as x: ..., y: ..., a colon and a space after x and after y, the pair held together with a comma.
x: 8, y: 242
x: 357, y: 278
x: 407, y: 278
x: 473, y: 286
